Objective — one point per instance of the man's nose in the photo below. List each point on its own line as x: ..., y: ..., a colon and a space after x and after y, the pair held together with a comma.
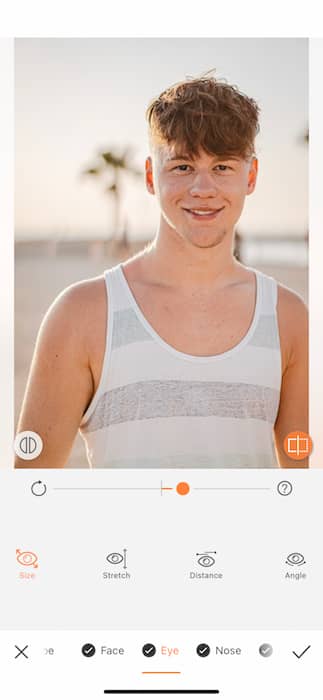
x: 203, y: 185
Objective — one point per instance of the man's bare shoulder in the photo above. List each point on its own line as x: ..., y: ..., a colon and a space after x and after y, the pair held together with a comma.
x: 83, y: 295
x: 77, y: 314
x: 293, y: 322
x: 291, y: 306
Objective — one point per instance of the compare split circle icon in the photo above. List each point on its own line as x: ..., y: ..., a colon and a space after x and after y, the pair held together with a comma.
x: 28, y: 445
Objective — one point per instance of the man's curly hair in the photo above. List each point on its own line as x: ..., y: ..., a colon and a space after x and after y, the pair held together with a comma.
x: 204, y: 114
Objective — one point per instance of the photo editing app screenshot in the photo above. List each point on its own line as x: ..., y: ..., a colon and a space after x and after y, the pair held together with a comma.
x: 161, y: 494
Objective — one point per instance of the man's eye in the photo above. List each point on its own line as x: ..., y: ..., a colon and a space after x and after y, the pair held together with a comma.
x: 182, y: 168
x: 222, y: 168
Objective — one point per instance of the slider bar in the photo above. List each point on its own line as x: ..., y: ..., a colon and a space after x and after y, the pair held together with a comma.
x: 232, y: 488
x: 159, y: 488
x: 151, y: 691
x: 106, y: 488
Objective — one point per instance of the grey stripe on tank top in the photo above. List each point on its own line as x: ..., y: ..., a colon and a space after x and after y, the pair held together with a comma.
x: 156, y: 399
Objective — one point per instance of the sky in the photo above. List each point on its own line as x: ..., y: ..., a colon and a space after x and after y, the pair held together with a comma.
x: 76, y: 96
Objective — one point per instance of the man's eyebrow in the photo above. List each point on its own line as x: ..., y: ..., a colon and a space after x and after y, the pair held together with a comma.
x: 226, y: 156
x: 180, y: 156
x: 186, y: 156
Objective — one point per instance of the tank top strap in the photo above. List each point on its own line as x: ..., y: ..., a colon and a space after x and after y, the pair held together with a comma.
x: 117, y: 294
x: 266, y: 331
x: 268, y: 295
x: 124, y: 323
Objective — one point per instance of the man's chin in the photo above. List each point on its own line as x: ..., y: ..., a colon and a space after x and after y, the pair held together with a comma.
x: 205, y: 241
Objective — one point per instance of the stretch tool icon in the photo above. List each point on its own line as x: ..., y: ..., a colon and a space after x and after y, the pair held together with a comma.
x: 118, y: 558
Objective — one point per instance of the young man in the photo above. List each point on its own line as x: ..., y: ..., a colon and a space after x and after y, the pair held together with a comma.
x: 181, y: 357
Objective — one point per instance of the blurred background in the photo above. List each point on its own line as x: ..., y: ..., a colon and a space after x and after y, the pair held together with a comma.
x: 81, y: 144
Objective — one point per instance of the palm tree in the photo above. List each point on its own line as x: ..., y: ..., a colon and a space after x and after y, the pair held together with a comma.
x: 113, y: 164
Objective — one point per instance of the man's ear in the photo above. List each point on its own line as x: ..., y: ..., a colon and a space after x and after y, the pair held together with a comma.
x: 252, y: 176
x: 149, y: 175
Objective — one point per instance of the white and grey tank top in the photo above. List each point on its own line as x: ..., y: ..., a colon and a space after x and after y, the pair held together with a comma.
x: 156, y: 407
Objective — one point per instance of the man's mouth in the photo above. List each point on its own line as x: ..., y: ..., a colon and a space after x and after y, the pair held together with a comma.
x: 205, y: 213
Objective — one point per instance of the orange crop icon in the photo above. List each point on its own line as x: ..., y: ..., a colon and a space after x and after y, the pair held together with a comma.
x: 27, y: 558
x: 298, y: 445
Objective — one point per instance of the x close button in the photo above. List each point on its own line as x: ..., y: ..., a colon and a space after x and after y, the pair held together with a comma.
x: 21, y: 652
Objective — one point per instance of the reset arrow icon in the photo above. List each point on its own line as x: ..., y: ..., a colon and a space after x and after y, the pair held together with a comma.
x: 299, y: 656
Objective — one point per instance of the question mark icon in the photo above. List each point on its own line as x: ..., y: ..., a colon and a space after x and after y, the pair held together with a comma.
x: 284, y: 488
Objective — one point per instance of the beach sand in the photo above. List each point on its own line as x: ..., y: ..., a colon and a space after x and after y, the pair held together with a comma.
x: 40, y: 278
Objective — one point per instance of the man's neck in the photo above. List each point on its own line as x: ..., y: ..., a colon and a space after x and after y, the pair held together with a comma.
x: 178, y: 263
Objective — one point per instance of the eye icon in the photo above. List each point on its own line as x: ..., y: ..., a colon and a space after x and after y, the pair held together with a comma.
x: 115, y: 558
x: 205, y: 559
x: 295, y: 559
x: 27, y: 558
x: 118, y: 558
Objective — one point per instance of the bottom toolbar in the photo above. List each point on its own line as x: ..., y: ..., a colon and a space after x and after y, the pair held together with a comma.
x: 90, y: 664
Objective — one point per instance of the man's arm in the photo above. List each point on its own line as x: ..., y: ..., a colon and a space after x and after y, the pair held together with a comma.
x: 61, y: 383
x: 293, y: 407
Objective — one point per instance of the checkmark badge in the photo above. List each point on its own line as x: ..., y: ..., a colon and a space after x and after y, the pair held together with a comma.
x: 149, y: 650
x: 203, y: 650
x: 88, y: 650
x: 265, y: 650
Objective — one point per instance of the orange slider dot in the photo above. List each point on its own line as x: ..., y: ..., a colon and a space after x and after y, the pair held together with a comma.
x: 183, y: 488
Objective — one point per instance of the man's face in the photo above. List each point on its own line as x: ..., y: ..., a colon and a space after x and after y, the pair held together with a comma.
x: 200, y: 198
